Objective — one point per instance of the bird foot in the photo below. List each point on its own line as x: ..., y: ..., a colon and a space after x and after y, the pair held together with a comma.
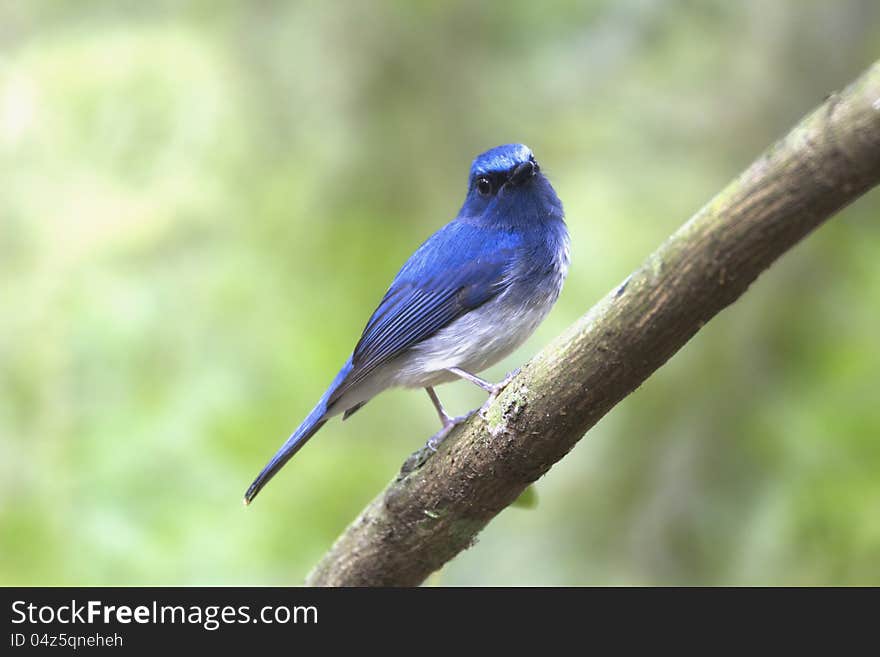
x: 449, y: 424
x: 418, y: 458
x: 496, y: 390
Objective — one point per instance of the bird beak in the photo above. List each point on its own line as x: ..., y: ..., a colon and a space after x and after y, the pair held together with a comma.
x: 522, y: 173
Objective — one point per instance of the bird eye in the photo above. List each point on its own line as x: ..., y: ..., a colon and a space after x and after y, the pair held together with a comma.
x: 484, y: 186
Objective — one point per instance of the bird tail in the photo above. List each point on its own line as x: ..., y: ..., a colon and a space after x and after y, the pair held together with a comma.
x: 300, y: 437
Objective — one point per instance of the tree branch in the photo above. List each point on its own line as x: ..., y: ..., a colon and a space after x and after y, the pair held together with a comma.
x: 427, y: 516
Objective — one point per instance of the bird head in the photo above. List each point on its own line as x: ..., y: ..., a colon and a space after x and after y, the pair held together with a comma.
x: 506, y: 186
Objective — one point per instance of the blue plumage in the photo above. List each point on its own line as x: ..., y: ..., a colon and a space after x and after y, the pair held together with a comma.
x: 450, y: 274
x: 468, y: 296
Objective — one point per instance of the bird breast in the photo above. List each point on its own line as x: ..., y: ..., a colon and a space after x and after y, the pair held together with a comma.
x: 487, y: 334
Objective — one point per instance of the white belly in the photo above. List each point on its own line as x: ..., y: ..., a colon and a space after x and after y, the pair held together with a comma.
x: 474, y: 342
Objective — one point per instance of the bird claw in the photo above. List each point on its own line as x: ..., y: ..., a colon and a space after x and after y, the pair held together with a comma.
x: 435, y: 440
x: 417, y: 459
x: 496, y: 390
x: 452, y: 422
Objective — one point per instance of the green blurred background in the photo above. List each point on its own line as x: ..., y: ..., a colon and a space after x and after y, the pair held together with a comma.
x: 201, y: 203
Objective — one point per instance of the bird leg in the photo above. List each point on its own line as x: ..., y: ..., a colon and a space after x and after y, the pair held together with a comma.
x: 494, y: 389
x: 448, y: 422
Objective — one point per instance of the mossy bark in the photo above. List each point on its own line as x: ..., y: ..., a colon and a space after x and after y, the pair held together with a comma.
x: 432, y: 512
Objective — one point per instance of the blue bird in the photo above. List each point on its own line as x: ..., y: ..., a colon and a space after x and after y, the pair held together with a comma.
x: 470, y: 295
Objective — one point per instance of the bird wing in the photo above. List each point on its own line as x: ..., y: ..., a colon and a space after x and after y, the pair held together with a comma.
x: 454, y: 272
